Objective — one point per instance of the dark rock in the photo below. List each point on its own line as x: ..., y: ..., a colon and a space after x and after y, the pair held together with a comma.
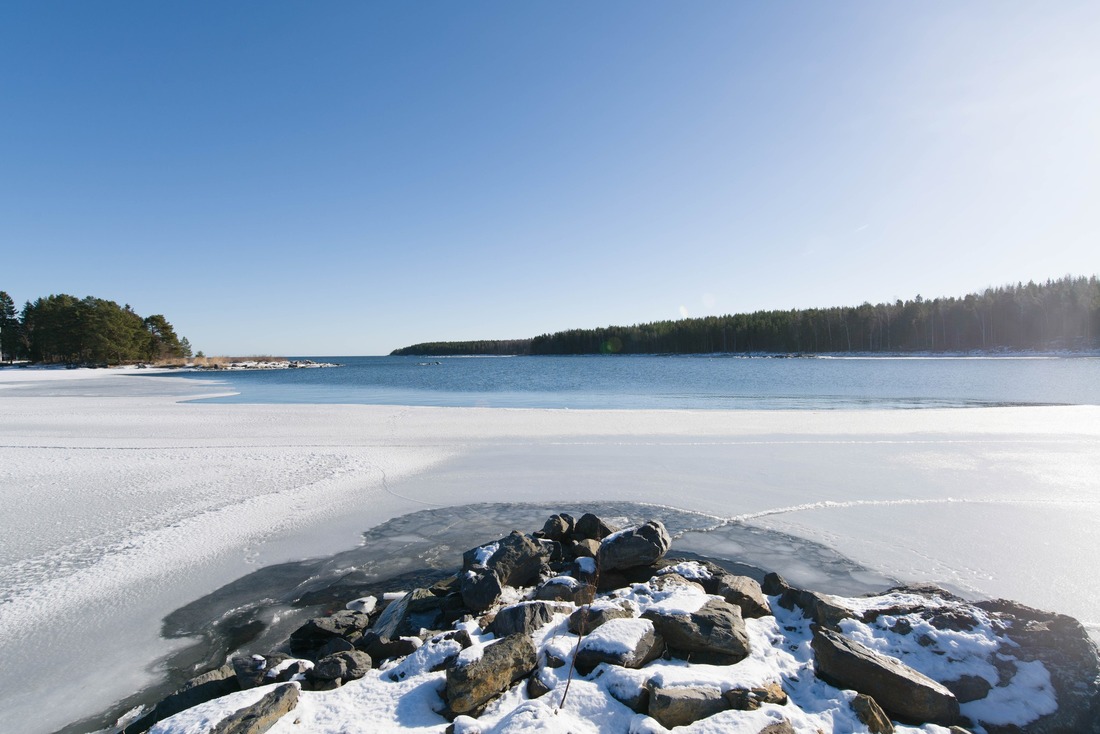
x: 775, y: 585
x: 901, y: 691
x: 588, y: 618
x: 480, y: 589
x: 590, y: 527
x: 342, y: 667
x: 779, y: 727
x: 471, y: 683
x: 389, y: 622
x: 346, y: 624
x: 384, y: 649
x: 1069, y: 655
x: 746, y: 593
x: 200, y: 689
x: 871, y: 714
x: 715, y: 634
x: 558, y: 527
x: 968, y: 688
x: 565, y: 588
x: 536, y: 686
x: 750, y: 699
x: 262, y: 715
x: 525, y: 617
x: 635, y: 699
x: 604, y: 645
x: 640, y: 546
x: 515, y: 560
x: 586, y: 548
x: 333, y: 646
x: 682, y: 706
x: 252, y: 671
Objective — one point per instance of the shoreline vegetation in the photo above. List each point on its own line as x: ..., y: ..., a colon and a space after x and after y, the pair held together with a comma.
x: 1059, y: 315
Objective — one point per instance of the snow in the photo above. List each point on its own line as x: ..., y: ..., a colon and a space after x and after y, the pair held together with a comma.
x: 484, y: 553
x: 123, y: 504
x: 586, y: 565
x: 618, y: 636
x: 688, y: 569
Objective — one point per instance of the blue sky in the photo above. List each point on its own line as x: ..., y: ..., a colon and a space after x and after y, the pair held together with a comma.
x: 347, y: 178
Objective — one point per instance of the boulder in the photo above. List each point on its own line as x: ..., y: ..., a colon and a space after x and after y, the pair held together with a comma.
x: 779, y: 727
x: 473, y: 681
x: 901, y: 691
x: 347, y: 624
x: 251, y: 671
x: 745, y: 592
x: 525, y: 617
x: 480, y: 589
x: 871, y: 714
x: 200, y: 689
x: 640, y: 546
x: 262, y: 715
x: 585, y: 548
x: 558, y: 527
x: 715, y: 634
x: 590, y: 527
x: 968, y: 688
x: 681, y: 706
x: 630, y: 643
x: 385, y: 649
x: 515, y: 560
x: 566, y: 588
x: 588, y: 618
x: 750, y: 699
x: 342, y: 667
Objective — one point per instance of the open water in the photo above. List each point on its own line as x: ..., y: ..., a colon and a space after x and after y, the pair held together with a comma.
x: 676, y: 382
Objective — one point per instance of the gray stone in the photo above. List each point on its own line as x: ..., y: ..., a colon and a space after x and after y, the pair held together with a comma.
x: 901, y: 691
x: 342, y: 666
x: 590, y: 527
x: 715, y: 634
x: 681, y: 706
x: 750, y: 699
x: 516, y: 561
x: 566, y: 588
x: 262, y: 715
x: 480, y: 589
x: 968, y: 688
x: 558, y: 527
x: 779, y: 727
x: 525, y: 617
x: 200, y: 689
x: 871, y: 714
x: 473, y: 683
x: 588, y: 618
x: 346, y: 624
x: 745, y: 592
x: 585, y: 548
x: 251, y: 671
x: 640, y: 546
x: 594, y: 649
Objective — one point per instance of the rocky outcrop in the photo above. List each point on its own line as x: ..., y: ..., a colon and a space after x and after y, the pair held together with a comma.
x: 901, y: 691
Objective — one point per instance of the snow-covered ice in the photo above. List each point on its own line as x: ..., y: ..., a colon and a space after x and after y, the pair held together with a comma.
x: 122, y: 503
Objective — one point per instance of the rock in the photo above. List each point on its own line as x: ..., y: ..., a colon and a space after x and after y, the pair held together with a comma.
x: 346, y: 624
x: 640, y: 546
x: 899, y: 690
x: 968, y: 688
x: 566, y: 588
x: 333, y: 646
x: 474, y: 681
x: 389, y: 622
x: 525, y: 617
x: 587, y: 548
x: 871, y: 714
x: 558, y: 527
x: 365, y: 604
x: 1065, y: 649
x: 715, y: 634
x: 200, y: 689
x: 630, y: 643
x: 514, y: 560
x: 262, y: 715
x: 667, y: 581
x: 682, y: 706
x: 251, y: 671
x: 746, y: 593
x: 536, y: 686
x: 464, y: 725
x: 779, y: 727
x: 342, y: 667
x: 750, y: 699
x: 588, y: 618
x: 384, y: 649
x: 590, y: 527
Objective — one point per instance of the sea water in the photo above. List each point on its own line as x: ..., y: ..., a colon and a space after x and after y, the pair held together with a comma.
x: 676, y: 382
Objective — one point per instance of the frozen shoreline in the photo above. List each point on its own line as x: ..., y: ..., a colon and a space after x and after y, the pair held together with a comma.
x: 126, y: 504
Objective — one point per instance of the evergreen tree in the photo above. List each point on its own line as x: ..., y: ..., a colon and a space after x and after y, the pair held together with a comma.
x: 9, y: 328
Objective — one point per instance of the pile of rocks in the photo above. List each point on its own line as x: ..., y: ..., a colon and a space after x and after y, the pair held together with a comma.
x: 482, y: 627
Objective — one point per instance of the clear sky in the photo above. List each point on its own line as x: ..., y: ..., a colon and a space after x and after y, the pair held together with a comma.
x: 341, y: 178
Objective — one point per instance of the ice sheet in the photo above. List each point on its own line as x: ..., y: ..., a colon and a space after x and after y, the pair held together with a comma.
x: 123, y: 504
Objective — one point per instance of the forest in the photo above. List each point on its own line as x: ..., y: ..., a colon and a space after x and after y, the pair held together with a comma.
x: 1062, y: 314
x: 63, y: 329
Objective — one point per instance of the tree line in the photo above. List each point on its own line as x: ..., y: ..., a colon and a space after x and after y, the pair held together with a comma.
x: 1062, y: 314
x: 65, y: 329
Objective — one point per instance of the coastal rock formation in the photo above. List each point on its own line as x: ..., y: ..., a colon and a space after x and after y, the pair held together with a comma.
x: 670, y: 641
x: 262, y: 715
